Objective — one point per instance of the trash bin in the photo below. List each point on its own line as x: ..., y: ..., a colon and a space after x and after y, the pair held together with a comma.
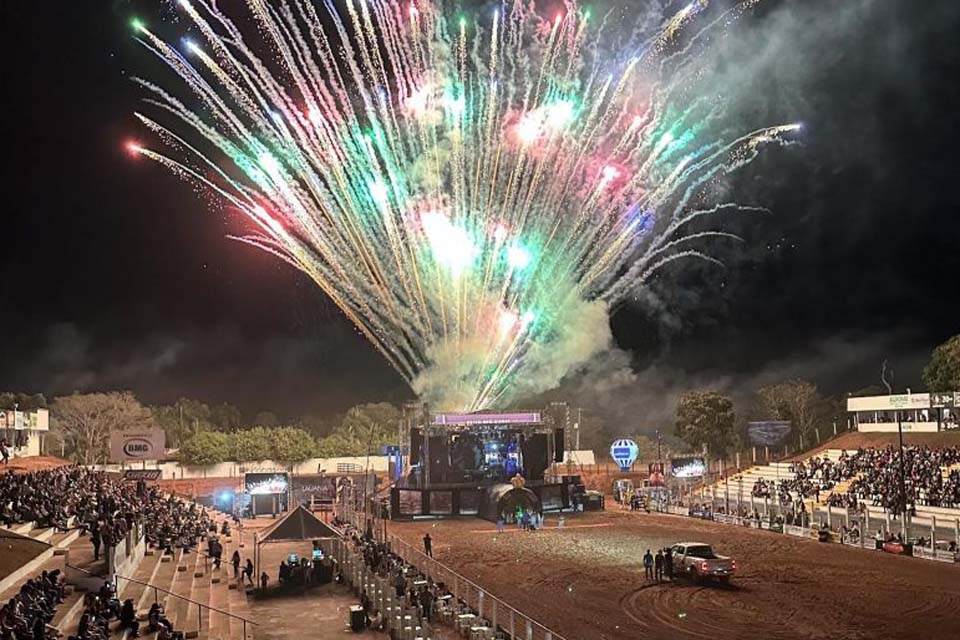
x: 356, y: 619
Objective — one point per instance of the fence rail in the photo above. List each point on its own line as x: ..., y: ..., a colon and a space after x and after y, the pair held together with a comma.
x: 200, y: 606
x: 500, y: 615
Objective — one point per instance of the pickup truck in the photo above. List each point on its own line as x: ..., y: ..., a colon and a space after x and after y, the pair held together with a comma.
x: 698, y: 562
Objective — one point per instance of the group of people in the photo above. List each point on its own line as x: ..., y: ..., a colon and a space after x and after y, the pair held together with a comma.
x: 100, y: 609
x: 26, y: 615
x: 875, y: 475
x: 104, y: 507
x: 413, y: 588
x: 660, y: 566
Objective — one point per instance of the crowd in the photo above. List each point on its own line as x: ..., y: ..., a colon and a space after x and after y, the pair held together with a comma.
x: 106, y: 508
x: 875, y: 475
x: 27, y: 614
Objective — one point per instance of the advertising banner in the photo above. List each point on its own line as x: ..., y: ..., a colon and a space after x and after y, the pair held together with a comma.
x: 656, y: 472
x: 266, y: 483
x: 769, y: 433
x: 688, y: 467
x: 133, y: 446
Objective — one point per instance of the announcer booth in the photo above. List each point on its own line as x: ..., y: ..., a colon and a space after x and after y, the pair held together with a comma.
x: 265, y: 493
x: 460, y: 462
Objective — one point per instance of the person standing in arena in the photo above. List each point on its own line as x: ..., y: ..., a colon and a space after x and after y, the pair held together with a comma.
x: 428, y: 545
x: 648, y: 565
x: 668, y: 563
x: 658, y: 565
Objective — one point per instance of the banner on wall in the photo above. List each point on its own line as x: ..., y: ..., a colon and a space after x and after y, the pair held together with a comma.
x: 133, y: 446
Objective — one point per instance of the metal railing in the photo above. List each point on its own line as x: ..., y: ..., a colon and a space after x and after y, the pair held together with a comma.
x: 502, y: 616
x: 200, y: 605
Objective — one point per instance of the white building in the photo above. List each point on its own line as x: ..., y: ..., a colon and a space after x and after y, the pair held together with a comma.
x: 917, y: 412
x: 24, y: 430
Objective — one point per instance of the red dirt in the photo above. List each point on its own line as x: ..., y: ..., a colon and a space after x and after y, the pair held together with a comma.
x: 34, y: 463
x: 588, y: 584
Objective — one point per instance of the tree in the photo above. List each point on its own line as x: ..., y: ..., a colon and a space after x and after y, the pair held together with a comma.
x: 266, y: 419
x: 23, y: 401
x: 251, y: 445
x: 85, y: 421
x: 942, y: 373
x: 371, y: 425
x: 797, y: 401
x: 706, y: 418
x: 226, y: 418
x: 205, y: 448
x: 184, y: 418
x: 337, y: 444
x: 291, y: 445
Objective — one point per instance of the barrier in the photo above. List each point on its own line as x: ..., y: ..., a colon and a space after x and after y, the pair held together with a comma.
x: 488, y: 608
x: 867, y: 521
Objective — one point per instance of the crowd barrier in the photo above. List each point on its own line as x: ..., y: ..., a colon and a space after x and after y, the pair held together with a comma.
x: 939, y: 532
x: 492, y: 616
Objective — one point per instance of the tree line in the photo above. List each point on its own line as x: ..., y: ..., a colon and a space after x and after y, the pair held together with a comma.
x: 81, y: 423
x: 207, y: 434
x: 708, y: 419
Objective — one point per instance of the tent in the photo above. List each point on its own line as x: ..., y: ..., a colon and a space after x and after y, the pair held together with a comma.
x: 297, y: 526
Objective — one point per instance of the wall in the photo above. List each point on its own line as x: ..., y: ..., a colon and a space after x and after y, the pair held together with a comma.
x: 126, y: 556
x: 176, y: 471
x: 891, y: 427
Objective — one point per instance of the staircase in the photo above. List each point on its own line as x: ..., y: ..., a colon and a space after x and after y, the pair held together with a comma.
x: 159, y: 577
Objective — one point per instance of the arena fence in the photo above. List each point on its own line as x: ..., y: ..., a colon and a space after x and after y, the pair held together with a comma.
x: 507, y: 621
x: 736, y: 505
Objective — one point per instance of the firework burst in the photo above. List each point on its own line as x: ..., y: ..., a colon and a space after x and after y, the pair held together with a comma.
x: 473, y: 193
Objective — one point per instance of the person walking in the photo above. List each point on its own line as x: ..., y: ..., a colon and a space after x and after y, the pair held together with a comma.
x: 658, y: 565
x: 95, y: 539
x: 248, y: 571
x: 648, y: 565
x: 4, y: 451
x: 235, y: 561
x: 428, y: 545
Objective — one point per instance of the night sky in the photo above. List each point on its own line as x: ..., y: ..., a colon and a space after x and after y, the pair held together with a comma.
x: 117, y: 276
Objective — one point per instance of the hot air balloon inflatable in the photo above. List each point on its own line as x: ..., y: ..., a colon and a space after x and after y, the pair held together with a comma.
x: 624, y: 452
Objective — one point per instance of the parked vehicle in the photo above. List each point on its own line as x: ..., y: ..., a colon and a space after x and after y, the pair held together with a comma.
x: 698, y: 562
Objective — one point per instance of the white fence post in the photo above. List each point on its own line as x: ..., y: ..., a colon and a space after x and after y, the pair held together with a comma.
x: 480, y: 603
x: 529, y: 630
x: 513, y: 630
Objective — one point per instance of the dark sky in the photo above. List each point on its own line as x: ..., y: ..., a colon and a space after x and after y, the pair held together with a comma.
x: 115, y: 275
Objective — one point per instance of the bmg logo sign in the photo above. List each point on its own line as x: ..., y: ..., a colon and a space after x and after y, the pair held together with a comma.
x: 137, y: 447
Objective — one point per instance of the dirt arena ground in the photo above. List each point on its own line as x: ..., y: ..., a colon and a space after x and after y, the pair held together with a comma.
x: 588, y: 579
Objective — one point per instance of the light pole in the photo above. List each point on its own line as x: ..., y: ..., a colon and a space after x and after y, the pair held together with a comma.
x: 903, y: 476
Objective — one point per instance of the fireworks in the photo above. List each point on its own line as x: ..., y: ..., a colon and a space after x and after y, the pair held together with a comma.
x: 473, y: 192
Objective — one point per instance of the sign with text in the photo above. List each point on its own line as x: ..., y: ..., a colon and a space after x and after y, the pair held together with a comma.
x: 142, y: 474
x: 131, y: 446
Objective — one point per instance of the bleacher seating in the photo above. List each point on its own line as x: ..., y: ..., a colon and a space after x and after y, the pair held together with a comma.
x: 862, y: 478
x: 166, y: 571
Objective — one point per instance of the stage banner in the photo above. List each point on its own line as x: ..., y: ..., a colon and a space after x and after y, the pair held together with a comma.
x: 133, y: 446
x: 769, y: 433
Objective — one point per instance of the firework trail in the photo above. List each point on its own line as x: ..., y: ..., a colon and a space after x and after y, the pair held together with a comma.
x: 474, y: 194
